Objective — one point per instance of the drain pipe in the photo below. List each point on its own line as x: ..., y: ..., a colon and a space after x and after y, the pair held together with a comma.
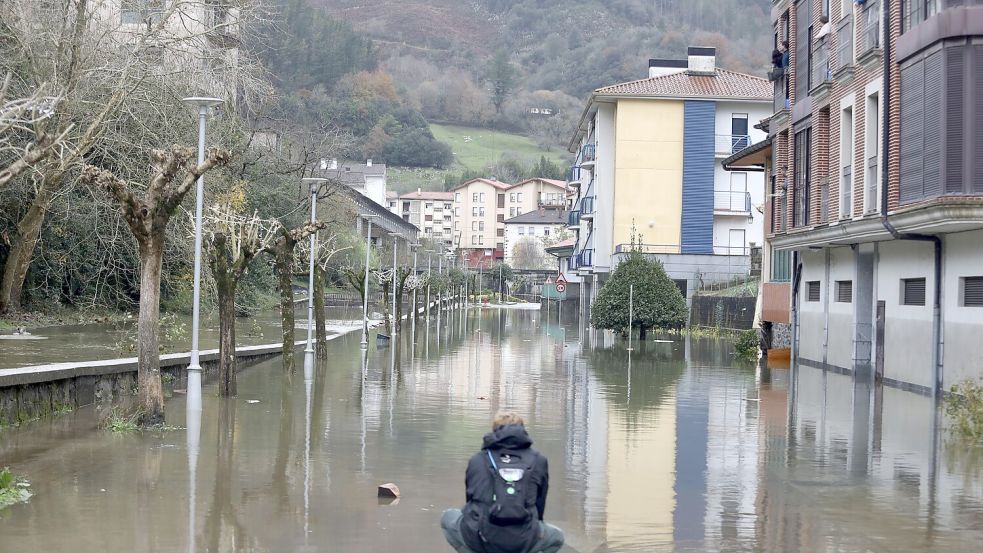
x: 935, y: 240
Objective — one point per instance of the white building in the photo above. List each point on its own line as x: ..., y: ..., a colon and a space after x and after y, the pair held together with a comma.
x: 431, y: 212
x: 534, y: 231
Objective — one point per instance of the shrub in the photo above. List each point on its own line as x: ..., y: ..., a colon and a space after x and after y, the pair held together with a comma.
x: 964, y: 407
x: 658, y: 303
x: 747, y: 345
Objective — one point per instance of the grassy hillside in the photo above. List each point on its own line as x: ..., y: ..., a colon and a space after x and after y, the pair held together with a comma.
x: 475, y: 149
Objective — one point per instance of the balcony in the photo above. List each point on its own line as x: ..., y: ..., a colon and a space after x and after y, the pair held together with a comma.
x: 588, y: 154
x: 822, y: 78
x: 731, y: 203
x: 587, y: 208
x: 844, y: 49
x: 782, y: 102
x: 573, y: 219
x: 572, y: 263
x: 585, y: 258
x: 576, y: 176
x: 870, y: 40
x: 726, y: 145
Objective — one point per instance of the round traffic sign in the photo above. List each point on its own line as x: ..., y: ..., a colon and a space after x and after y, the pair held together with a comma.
x: 560, y: 287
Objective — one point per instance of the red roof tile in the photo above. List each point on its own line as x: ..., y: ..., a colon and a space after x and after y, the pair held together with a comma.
x: 723, y: 84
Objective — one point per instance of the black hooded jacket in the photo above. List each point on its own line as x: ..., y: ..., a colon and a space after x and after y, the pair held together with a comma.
x: 513, y: 440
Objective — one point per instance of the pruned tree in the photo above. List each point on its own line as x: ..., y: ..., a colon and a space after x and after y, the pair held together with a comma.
x: 283, y: 250
x: 147, y: 215
x: 328, y: 247
x: 657, y: 301
x: 23, y: 143
x: 234, y: 241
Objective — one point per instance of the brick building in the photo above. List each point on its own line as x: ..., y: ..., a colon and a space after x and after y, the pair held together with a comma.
x: 874, y: 214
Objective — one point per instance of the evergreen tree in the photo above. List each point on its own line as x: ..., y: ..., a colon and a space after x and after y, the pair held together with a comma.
x: 657, y: 301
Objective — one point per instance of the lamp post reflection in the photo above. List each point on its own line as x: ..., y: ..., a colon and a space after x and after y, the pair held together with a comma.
x: 193, y: 440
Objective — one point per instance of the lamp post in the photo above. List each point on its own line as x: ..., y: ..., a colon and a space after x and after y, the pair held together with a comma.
x: 395, y: 251
x: 314, y: 183
x: 440, y: 295
x: 365, y: 290
x: 194, y: 368
x: 414, y: 246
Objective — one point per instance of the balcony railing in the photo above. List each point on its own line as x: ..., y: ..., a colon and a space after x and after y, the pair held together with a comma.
x: 737, y: 202
x: 588, y: 153
x: 576, y: 174
x: 573, y: 218
x: 587, y: 205
x: 870, y: 187
x: 727, y: 144
x: 820, y: 67
x: 585, y: 258
x: 572, y: 263
x: 677, y: 249
x: 871, y: 38
x: 844, y: 43
x: 846, y: 192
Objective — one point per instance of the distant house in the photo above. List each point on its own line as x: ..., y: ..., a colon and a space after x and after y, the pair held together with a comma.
x: 535, y: 228
x: 369, y: 178
x: 432, y: 212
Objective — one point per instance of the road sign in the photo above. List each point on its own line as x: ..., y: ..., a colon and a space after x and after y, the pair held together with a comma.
x: 560, y: 284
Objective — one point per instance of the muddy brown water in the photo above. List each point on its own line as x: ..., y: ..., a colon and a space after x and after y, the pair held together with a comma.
x: 678, y: 449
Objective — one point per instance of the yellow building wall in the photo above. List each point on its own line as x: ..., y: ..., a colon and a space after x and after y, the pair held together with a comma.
x: 648, y: 171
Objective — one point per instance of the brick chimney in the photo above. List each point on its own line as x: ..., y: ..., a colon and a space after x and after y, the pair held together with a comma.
x: 702, y: 61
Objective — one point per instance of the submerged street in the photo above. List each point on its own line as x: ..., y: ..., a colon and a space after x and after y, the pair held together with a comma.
x: 677, y: 448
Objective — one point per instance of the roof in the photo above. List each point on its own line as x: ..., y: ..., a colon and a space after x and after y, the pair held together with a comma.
x: 541, y: 217
x: 755, y: 154
x: 563, y: 247
x: 428, y: 195
x: 492, y: 182
x: 376, y: 169
x: 723, y: 83
x: 552, y: 182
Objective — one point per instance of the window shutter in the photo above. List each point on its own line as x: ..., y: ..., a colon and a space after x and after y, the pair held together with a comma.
x: 954, y: 108
x: 978, y: 98
x: 813, y: 291
x: 913, y: 291
x: 932, y: 152
x: 912, y: 119
x: 973, y: 292
x: 844, y: 291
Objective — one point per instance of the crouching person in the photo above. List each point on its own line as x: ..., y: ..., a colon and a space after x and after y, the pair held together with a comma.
x: 506, y: 484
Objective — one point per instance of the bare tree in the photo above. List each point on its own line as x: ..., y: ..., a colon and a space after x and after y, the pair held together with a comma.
x: 148, y: 217
x: 23, y: 116
x: 233, y: 242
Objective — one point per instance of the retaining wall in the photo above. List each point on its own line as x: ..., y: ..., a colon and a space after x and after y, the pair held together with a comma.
x: 722, y: 312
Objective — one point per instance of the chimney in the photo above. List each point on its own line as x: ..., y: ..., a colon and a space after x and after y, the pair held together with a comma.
x: 419, y: 191
x: 702, y: 61
x: 659, y: 68
x: 368, y: 162
x: 334, y: 164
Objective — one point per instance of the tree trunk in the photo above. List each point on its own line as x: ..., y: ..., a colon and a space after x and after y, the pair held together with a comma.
x: 284, y: 262
x: 642, y: 332
x: 385, y: 304
x: 320, y: 327
x: 22, y: 248
x: 148, y: 332
x: 226, y: 286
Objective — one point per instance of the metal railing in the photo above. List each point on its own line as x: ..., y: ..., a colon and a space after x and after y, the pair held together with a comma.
x: 585, y: 258
x: 576, y: 174
x: 588, y: 153
x: 738, y: 202
x: 677, y: 249
x: 844, y: 43
x: 573, y: 218
x: 870, y: 186
x: 781, y: 93
x: 872, y: 30
x: 846, y: 191
x: 728, y: 144
x: 820, y: 66
x: 587, y: 205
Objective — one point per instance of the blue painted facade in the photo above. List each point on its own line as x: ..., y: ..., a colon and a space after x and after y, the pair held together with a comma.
x: 698, y: 162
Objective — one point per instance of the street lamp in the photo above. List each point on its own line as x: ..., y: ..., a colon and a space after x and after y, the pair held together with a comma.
x: 365, y: 291
x: 414, y: 246
x: 194, y: 368
x: 313, y: 183
x: 395, y: 251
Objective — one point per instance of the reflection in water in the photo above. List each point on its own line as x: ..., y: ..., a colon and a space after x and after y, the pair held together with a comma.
x: 670, y: 447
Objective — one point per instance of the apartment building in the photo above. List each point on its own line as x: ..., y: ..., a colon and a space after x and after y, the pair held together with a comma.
x: 481, y: 207
x: 431, y: 212
x: 877, y: 192
x: 649, y: 160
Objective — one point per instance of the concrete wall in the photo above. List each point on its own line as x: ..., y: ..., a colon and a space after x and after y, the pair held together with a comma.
x: 839, y: 350
x: 907, y: 329
x: 604, y: 183
x: 649, y: 171
x: 963, y: 328
x: 811, y: 319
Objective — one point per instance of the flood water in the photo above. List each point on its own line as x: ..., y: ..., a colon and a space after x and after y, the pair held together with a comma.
x: 678, y: 448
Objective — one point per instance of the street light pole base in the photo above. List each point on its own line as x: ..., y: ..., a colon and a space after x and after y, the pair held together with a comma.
x: 194, y: 387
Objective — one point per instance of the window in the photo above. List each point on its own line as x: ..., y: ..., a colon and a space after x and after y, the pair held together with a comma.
x: 428, y: 205
x: 406, y: 206
x: 803, y: 48
x: 781, y: 266
x: 518, y: 197
x: 135, y: 12
x: 457, y: 198
x: 474, y: 239
x: 844, y: 291
x: 913, y: 291
x: 512, y: 197
x: 481, y: 239
x: 522, y: 230
x: 474, y: 225
x: 824, y: 17
x: 812, y: 290
x: 481, y: 197
x: 481, y: 226
x: 800, y: 192
x: 872, y: 153
x: 972, y: 292
x: 546, y: 232
x: 457, y: 212
x: 500, y: 218
x: 447, y: 205
x: 474, y: 211
x: 739, y: 138
x: 914, y: 12
x: 532, y: 231
x: 846, y: 162
x: 474, y: 197
x: 500, y: 233
x: 481, y: 212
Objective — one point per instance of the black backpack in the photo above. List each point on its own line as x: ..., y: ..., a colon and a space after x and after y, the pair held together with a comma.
x: 511, y: 514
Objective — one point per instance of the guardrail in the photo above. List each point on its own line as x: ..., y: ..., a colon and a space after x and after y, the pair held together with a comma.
x: 573, y: 218
x: 727, y: 144
x: 585, y: 258
x: 587, y: 205
x: 737, y: 202
x: 677, y: 249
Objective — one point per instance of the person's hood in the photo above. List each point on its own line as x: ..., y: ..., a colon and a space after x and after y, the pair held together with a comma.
x: 512, y: 436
